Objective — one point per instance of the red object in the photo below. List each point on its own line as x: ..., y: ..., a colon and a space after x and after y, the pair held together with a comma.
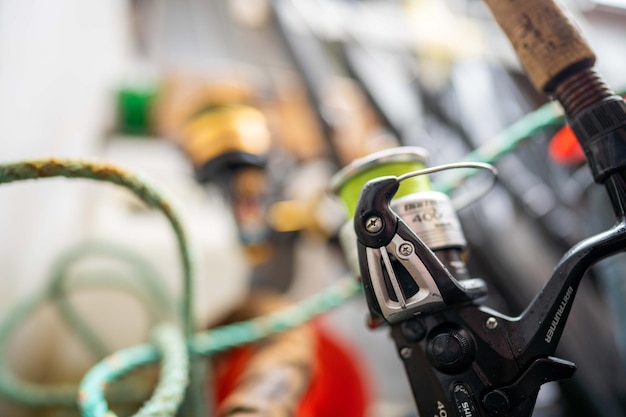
x: 338, y: 387
x: 564, y: 147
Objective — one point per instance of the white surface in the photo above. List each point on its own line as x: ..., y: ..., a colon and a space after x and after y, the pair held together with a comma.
x: 57, y: 60
x: 59, y: 63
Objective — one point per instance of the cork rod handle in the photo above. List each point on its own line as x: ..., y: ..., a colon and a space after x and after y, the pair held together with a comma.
x: 547, y: 41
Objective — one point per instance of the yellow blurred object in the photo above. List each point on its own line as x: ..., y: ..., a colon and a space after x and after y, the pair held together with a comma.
x: 441, y: 37
x: 217, y: 122
x: 290, y: 216
x: 231, y: 128
x: 259, y: 253
x: 183, y: 95
x: 441, y: 34
x: 310, y: 215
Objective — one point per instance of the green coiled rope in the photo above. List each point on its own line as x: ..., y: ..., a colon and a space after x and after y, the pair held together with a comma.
x: 143, y: 281
x: 47, y: 168
x: 39, y: 395
x: 167, y: 397
x: 93, y: 404
x: 22, y: 391
x: 225, y: 337
x: 169, y: 345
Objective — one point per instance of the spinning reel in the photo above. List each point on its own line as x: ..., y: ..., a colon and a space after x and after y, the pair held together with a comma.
x: 462, y: 359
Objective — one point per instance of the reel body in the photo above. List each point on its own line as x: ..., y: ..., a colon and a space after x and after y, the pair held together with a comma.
x: 462, y: 359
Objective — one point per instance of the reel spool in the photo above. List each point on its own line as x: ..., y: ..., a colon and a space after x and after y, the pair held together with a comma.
x: 405, y: 240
